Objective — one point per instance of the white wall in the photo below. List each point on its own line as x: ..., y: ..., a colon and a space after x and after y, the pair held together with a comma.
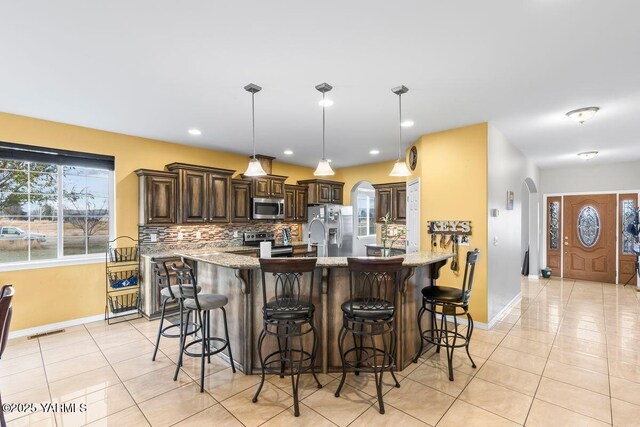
x: 589, y: 177
x: 359, y: 248
x: 508, y: 169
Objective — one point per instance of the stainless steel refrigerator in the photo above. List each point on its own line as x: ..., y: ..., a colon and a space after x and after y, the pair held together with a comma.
x: 331, y: 228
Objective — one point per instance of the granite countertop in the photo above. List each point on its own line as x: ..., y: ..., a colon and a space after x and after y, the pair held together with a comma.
x: 230, y: 260
x: 170, y: 252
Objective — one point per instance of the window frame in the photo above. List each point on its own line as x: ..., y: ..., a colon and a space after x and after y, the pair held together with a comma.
x: 370, y: 217
x: 61, y: 259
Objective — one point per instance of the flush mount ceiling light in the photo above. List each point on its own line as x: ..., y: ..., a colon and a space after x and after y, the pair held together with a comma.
x: 407, y: 123
x: 587, y: 155
x: 581, y: 115
x: 288, y: 152
x: 374, y: 152
x: 324, y: 168
x: 325, y: 102
x: 254, y: 168
x: 400, y: 167
x: 195, y: 132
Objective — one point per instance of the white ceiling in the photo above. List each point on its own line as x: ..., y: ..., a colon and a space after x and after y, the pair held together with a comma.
x: 156, y: 68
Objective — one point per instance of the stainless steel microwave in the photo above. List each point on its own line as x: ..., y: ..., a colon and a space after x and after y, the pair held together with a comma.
x: 267, y: 208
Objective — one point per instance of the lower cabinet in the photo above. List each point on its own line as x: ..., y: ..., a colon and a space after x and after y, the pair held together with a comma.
x: 303, y: 251
x: 377, y: 251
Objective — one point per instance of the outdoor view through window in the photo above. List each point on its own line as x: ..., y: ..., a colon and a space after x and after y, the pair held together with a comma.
x: 48, y: 211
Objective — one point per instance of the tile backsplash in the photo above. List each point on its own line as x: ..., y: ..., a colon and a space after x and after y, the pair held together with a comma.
x: 210, y: 234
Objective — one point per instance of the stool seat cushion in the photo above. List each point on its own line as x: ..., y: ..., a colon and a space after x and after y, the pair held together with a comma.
x: 444, y: 294
x: 176, y: 291
x: 368, y: 309
x: 207, y: 302
x: 288, y: 309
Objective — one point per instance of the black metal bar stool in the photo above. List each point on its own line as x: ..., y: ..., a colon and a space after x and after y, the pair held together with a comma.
x: 369, y: 314
x: 169, y: 294
x: 445, y: 301
x: 287, y: 315
x: 201, y: 304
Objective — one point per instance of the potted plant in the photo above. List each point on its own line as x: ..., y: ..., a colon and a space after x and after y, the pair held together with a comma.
x: 390, y: 234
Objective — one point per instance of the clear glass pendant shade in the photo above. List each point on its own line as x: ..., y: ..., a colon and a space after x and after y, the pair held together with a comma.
x: 324, y: 169
x: 400, y: 169
x: 254, y: 168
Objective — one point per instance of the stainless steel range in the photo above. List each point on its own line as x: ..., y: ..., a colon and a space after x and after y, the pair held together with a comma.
x: 277, y: 251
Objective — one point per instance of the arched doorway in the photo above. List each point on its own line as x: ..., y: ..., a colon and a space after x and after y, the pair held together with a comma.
x: 364, y: 224
x: 530, y: 234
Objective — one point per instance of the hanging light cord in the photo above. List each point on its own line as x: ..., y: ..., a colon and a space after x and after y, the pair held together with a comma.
x: 400, y: 136
x: 253, y: 122
x: 323, y: 107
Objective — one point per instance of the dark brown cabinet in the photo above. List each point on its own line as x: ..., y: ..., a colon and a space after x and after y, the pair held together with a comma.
x: 240, y: 200
x: 204, y: 193
x: 157, y: 197
x: 269, y: 186
x: 391, y: 199
x: 295, y: 203
x: 374, y: 250
x: 323, y: 191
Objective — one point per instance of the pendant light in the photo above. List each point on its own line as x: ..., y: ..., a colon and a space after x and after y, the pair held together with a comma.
x: 400, y: 167
x: 324, y: 168
x: 254, y: 168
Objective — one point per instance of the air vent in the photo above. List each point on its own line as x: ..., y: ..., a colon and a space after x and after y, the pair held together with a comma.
x: 44, y: 334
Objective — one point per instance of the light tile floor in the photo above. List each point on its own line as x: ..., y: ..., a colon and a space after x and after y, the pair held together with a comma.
x: 567, y: 355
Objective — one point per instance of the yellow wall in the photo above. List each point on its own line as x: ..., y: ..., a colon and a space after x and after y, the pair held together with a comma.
x: 375, y: 173
x: 51, y: 295
x: 453, y: 171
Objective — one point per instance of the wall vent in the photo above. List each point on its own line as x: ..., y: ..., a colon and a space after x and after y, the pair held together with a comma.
x: 44, y: 334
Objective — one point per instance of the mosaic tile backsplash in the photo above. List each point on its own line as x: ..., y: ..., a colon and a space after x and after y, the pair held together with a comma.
x: 211, y: 235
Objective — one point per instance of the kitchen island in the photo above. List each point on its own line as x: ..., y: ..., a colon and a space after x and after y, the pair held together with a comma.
x: 239, y: 278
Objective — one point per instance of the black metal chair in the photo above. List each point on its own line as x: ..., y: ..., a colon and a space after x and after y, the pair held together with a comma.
x: 370, y: 313
x: 445, y: 301
x: 201, y: 304
x: 286, y: 316
x: 170, y: 294
x: 6, y: 310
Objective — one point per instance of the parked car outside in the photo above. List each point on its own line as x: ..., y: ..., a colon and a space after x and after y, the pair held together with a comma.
x: 11, y: 233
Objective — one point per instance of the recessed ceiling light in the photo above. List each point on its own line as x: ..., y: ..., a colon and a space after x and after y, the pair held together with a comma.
x: 325, y: 103
x: 195, y: 132
x: 581, y: 115
x: 588, y: 155
x: 288, y: 152
x: 407, y: 123
x: 329, y: 160
x: 374, y: 152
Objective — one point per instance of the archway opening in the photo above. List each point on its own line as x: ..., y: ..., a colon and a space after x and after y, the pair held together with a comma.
x: 364, y: 223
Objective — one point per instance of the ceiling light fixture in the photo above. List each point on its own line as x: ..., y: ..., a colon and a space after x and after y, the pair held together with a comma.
x: 400, y: 167
x: 254, y: 168
x: 407, y: 123
x: 324, y: 168
x: 325, y: 102
x: 581, y: 115
x: 374, y: 152
x: 288, y: 152
x: 587, y: 155
x: 195, y: 132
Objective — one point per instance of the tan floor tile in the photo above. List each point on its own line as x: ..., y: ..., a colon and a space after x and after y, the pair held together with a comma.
x: 498, y: 400
x: 140, y: 365
x: 491, y: 337
x: 33, y: 421
x: 501, y: 327
x: 625, y: 414
x: 128, y: 351
x: 624, y: 355
x: 215, y: 416
x: 131, y: 417
x: 191, y: 365
x: 525, y: 346
x: 509, y: 377
x: 577, y: 376
x: 306, y: 386
x: 308, y: 417
x: 533, y: 335
x: 340, y: 410
x: 20, y: 364
x: 628, y: 371
x: 19, y: 347
x: 99, y: 404
x: 225, y: 383
x: 544, y: 414
x: 78, y: 385
x: 32, y: 396
x: 22, y: 381
x: 439, y: 379
x: 365, y: 382
x: 419, y: 401
x: 462, y: 413
x: 106, y: 341
x: 622, y: 389
x: 583, y: 346
x: 176, y: 405
x: 271, y: 402
x: 461, y: 361
x: 479, y: 348
x: 67, y: 339
x: 391, y: 417
x: 575, y: 399
x: 154, y: 383
x: 580, y: 360
x: 77, y: 365
x: 59, y: 354
x: 519, y: 360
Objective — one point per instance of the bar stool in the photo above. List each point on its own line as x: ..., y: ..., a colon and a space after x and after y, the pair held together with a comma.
x: 288, y: 314
x: 446, y: 301
x: 370, y: 313
x: 6, y: 309
x: 201, y: 304
x: 170, y: 294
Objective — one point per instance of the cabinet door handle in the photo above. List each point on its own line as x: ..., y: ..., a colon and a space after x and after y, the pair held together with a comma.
x: 150, y: 219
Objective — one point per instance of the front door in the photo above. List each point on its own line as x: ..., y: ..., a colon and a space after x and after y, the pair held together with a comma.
x: 589, y: 241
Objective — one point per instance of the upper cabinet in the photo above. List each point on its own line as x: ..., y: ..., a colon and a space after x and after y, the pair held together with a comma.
x: 240, y: 200
x: 391, y: 199
x: 268, y: 186
x: 324, y: 191
x: 203, y: 193
x: 157, y: 197
x: 295, y: 203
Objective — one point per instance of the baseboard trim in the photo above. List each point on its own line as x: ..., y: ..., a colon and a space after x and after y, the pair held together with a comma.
x: 506, y: 308
x: 54, y: 326
x: 533, y: 277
